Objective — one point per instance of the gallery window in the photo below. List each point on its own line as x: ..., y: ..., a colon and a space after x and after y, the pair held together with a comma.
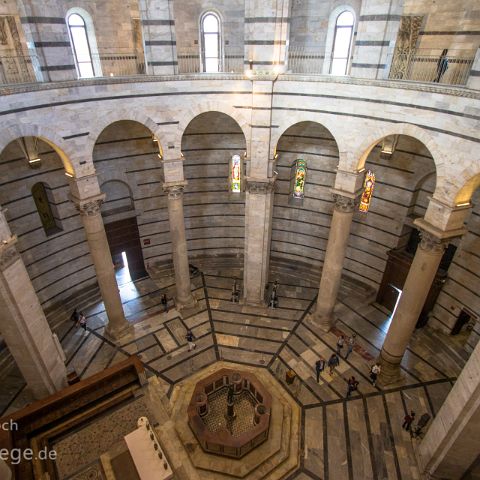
x: 210, y: 42
x: 342, y: 43
x: 46, y: 208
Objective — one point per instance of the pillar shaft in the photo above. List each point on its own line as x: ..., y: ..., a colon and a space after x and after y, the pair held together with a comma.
x: 417, y: 285
x: 23, y: 323
x: 334, y: 258
x: 102, y: 260
x: 184, y: 298
x: 258, y: 228
x: 451, y: 444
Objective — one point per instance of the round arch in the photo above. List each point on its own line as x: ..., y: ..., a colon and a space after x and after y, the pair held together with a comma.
x: 49, y: 136
x: 123, y: 116
x: 465, y: 193
x: 208, y: 107
x: 286, y: 125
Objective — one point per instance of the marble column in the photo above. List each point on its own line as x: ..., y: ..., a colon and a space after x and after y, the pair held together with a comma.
x: 89, y: 209
x: 417, y: 285
x: 258, y: 232
x: 334, y: 258
x: 451, y: 445
x: 23, y: 323
x: 184, y: 298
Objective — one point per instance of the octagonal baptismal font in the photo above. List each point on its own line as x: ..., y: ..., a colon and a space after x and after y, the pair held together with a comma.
x: 229, y: 413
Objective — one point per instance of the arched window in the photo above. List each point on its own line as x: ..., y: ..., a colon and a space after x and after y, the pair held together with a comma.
x: 80, y: 45
x: 298, y: 175
x: 46, y: 208
x: 342, y: 43
x: 210, y: 41
x: 236, y: 174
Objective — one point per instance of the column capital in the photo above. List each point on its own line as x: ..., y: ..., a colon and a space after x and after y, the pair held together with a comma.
x: 435, y: 240
x: 431, y: 243
x: 174, y: 190
x: 8, y: 252
x: 88, y: 206
x: 260, y: 185
x: 343, y: 203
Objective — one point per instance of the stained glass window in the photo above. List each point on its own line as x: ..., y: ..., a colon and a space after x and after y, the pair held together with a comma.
x: 236, y: 174
x: 366, y: 197
x: 300, y: 173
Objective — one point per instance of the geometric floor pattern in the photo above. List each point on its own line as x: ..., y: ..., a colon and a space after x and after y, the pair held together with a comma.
x: 359, y: 437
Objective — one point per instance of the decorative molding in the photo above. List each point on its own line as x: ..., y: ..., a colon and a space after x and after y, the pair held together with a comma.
x: 344, y: 204
x: 431, y: 243
x: 260, y: 186
x: 174, y: 191
x: 89, y: 208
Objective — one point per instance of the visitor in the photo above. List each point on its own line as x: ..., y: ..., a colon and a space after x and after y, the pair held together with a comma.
x: 190, y: 339
x: 352, y: 385
x: 82, y: 322
x: 442, y: 66
x: 340, y: 343
x: 422, y: 422
x: 164, y: 302
x: 408, y: 420
x: 350, y: 344
x: 333, y: 362
x: 319, y: 367
x: 74, y: 317
x: 235, y: 294
x: 374, y: 373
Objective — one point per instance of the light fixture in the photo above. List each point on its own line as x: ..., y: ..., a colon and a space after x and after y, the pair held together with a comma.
x: 160, y: 156
x: 68, y: 174
x: 389, y: 144
x: 465, y: 204
x: 181, y: 154
x: 275, y: 156
x: 34, y: 162
x: 245, y: 154
x: 154, y: 139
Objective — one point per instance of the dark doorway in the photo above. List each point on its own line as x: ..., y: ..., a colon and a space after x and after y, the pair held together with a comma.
x: 463, y: 318
x: 123, y: 237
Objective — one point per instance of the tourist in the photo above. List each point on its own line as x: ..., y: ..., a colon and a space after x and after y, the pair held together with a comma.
x: 319, y: 367
x: 190, y: 337
x: 442, y: 66
x: 82, y: 322
x: 352, y: 385
x: 74, y: 317
x: 164, y: 302
x: 374, y: 373
x: 350, y: 344
x: 340, y: 343
x: 333, y: 362
x: 408, y: 420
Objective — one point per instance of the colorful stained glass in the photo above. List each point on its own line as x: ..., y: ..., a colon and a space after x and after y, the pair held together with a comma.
x: 236, y: 174
x: 300, y: 175
x: 366, y: 197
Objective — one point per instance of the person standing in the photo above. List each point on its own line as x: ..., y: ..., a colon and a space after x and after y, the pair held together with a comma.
x: 82, y: 322
x: 408, y: 420
x: 164, y: 302
x: 190, y: 339
x: 340, y: 344
x: 333, y: 362
x: 442, y: 66
x: 352, y: 385
x: 75, y: 317
x: 350, y: 344
x: 319, y: 367
x: 374, y: 373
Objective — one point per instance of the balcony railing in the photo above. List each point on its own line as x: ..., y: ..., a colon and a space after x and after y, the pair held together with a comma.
x: 308, y: 60
x: 429, y: 66
x: 120, y: 64
x: 19, y: 69
x: 190, y: 61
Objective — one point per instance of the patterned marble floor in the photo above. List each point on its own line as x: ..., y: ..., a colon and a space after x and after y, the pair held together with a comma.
x: 355, y: 438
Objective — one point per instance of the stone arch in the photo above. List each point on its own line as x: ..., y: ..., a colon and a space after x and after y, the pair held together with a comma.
x: 123, y: 116
x: 15, y: 131
x: 206, y: 107
x: 357, y: 162
x: 465, y: 193
x: 308, y: 117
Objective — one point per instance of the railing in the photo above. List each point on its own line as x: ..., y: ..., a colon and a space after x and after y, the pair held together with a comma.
x: 19, y: 69
x: 190, y: 60
x: 430, y: 66
x: 306, y: 59
x: 119, y: 64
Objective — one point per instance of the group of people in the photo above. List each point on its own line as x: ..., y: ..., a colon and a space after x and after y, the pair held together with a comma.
x: 417, y: 430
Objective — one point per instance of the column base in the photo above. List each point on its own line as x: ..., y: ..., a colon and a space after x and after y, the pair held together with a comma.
x: 324, y: 322
x: 117, y: 332
x: 185, y: 304
x: 390, y: 372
